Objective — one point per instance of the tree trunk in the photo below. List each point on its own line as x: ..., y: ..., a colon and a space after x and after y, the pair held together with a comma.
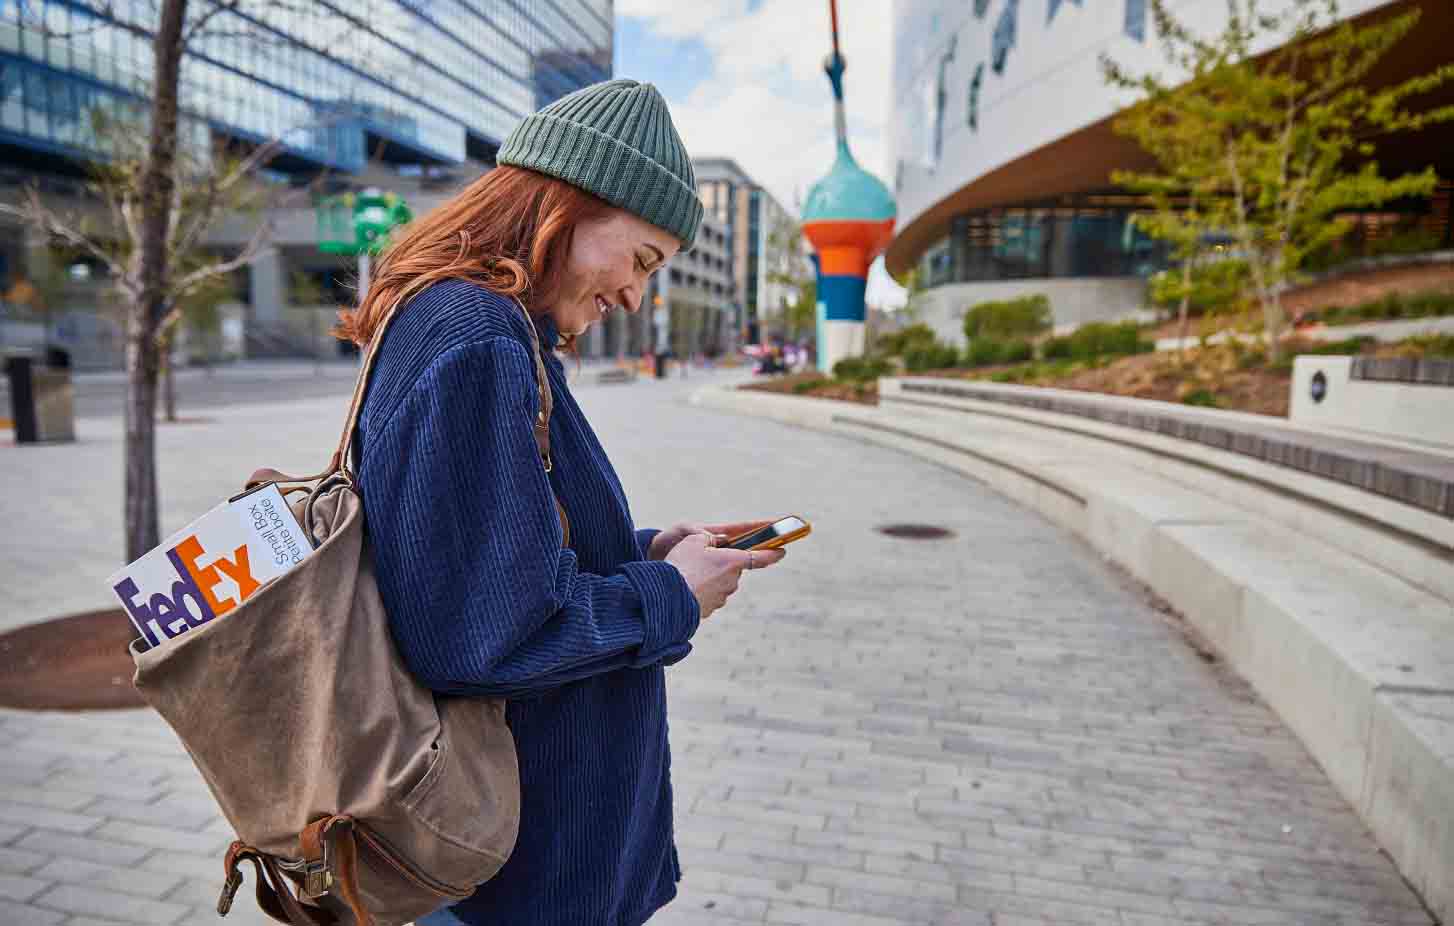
x: 1183, y: 311
x: 1274, y: 321
x: 142, y: 529
x: 169, y: 384
x: 154, y: 191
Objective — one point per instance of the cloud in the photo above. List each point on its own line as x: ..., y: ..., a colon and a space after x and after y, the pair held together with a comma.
x: 766, y: 103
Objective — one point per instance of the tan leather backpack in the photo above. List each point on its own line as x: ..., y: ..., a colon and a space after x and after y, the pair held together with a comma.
x: 359, y: 796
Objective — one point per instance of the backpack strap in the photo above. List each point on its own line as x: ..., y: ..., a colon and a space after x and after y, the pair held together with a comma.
x: 273, y: 896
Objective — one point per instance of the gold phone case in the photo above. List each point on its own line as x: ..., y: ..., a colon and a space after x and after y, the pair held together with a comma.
x: 782, y: 541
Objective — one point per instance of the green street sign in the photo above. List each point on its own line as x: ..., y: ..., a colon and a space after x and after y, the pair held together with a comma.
x: 359, y: 223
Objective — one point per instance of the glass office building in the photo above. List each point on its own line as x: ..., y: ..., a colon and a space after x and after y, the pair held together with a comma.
x: 339, y: 81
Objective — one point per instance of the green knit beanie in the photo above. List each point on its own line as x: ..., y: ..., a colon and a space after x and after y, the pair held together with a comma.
x: 614, y: 139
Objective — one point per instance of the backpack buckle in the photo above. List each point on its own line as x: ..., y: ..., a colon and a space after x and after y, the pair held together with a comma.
x: 317, y: 877
x: 316, y: 874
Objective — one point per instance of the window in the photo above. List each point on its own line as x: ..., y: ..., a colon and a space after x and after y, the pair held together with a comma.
x: 1055, y: 8
x: 1136, y: 19
x: 1004, y: 38
x: 972, y: 113
x: 1079, y: 236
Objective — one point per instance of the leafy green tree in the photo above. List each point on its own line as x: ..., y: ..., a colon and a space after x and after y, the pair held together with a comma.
x: 1272, y: 147
x: 791, y: 270
x: 912, y: 311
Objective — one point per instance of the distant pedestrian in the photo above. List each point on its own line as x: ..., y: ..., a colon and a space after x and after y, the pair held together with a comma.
x: 486, y: 597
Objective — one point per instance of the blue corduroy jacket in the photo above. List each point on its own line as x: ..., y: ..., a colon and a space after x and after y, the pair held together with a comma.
x: 483, y: 600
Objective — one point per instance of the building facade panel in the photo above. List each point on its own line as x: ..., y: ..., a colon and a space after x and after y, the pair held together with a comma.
x: 980, y: 87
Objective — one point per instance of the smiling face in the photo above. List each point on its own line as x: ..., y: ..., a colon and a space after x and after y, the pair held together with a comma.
x: 610, y: 260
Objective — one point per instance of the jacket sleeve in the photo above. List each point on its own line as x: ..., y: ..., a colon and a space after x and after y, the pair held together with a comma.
x: 644, y: 537
x: 481, y: 597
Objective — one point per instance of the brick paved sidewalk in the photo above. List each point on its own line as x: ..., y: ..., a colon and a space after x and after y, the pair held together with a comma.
x: 993, y: 729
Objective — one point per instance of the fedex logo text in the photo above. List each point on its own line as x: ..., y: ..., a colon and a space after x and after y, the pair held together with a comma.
x: 192, y: 600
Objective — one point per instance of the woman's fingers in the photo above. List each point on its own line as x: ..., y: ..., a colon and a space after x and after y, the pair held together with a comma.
x: 732, y: 530
x: 761, y: 559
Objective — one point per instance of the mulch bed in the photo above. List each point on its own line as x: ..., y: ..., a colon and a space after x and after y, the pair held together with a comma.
x: 70, y: 663
x: 787, y: 384
x: 1260, y: 391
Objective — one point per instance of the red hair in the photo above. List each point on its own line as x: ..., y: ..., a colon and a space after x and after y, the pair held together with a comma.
x: 509, y: 231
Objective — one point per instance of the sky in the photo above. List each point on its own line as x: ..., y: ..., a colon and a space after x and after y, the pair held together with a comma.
x: 745, y: 80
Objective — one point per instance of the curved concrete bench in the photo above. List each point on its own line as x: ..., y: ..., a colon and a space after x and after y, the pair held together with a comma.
x: 1333, y: 601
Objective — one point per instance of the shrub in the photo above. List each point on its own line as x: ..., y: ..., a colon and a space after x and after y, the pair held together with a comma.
x: 932, y: 356
x: 984, y: 352
x: 1393, y: 305
x: 1427, y: 345
x: 1008, y: 319
x: 1018, y: 352
x: 1057, y: 348
x: 861, y: 369
x: 1203, y: 397
x: 1096, y: 340
x: 1215, y: 285
x: 899, y: 343
x: 808, y: 385
x: 1338, y: 348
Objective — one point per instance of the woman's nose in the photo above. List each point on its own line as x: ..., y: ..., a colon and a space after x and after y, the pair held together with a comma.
x: 630, y: 298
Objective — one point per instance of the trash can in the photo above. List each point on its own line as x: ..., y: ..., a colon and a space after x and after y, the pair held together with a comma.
x: 42, y: 400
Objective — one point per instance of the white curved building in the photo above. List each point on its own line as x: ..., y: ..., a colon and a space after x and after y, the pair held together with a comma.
x: 1002, y: 145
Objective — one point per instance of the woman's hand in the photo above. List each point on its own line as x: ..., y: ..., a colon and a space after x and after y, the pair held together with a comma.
x: 712, y: 572
x: 666, y: 541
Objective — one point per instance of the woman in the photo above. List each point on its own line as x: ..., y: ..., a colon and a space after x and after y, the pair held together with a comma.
x: 594, y: 194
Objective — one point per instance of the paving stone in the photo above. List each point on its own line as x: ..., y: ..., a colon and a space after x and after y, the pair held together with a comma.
x: 17, y: 914
x: 33, y: 816
x: 20, y: 862
x: 70, y: 898
x: 793, y: 852
x: 880, y: 884
x: 20, y: 888
x: 130, y: 880
x: 141, y: 789
x: 792, y: 915
x: 908, y: 909
x: 186, y: 817
x: 161, y: 837
x: 764, y: 888
x: 90, y: 848
x: 732, y: 863
x: 48, y: 795
x: 699, y: 899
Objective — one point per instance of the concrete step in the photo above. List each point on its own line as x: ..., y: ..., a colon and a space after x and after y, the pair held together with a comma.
x: 1354, y: 650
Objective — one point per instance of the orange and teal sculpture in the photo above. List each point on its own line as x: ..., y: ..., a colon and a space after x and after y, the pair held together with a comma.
x: 848, y: 217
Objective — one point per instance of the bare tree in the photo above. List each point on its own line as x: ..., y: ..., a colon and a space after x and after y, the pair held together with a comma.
x: 162, y: 196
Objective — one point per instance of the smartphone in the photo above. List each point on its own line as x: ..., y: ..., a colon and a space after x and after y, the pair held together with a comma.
x: 777, y: 534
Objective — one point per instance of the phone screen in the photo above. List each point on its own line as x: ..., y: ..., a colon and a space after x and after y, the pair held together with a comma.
x: 777, y: 529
